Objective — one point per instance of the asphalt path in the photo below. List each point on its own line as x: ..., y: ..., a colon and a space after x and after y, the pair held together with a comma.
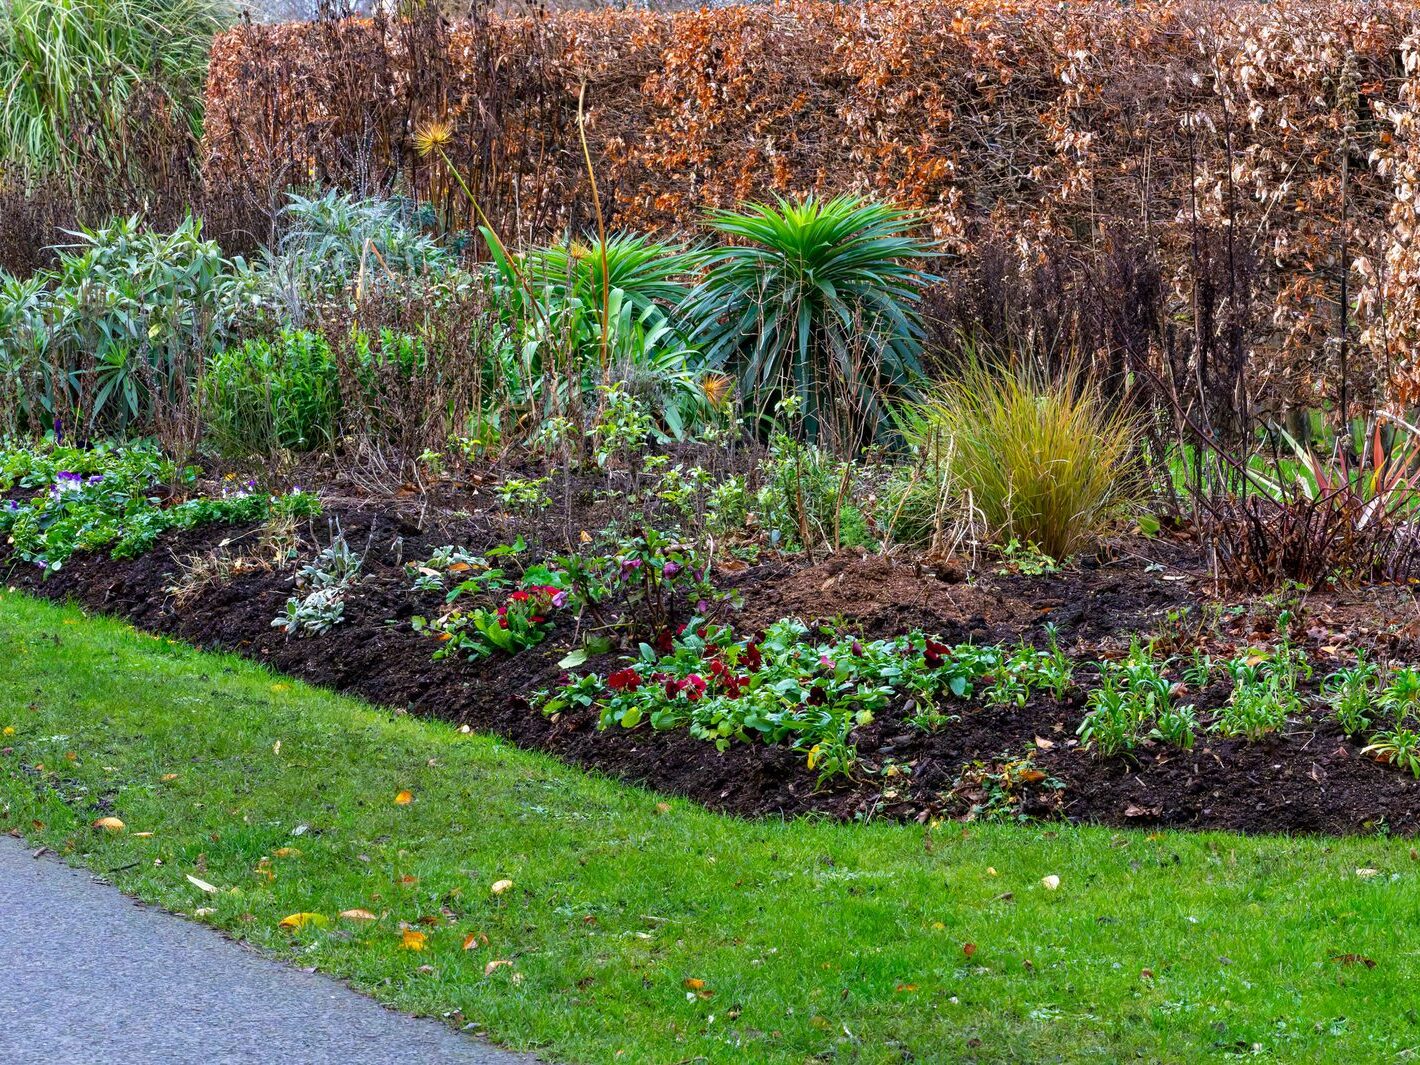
x: 89, y: 976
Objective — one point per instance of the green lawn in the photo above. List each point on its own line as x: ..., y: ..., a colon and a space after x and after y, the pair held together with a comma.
x: 814, y: 941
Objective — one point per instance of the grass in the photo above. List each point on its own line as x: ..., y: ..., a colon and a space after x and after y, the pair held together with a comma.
x: 1041, y: 460
x: 814, y: 941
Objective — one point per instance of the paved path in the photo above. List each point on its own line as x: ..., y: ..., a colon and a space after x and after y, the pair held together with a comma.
x: 89, y: 976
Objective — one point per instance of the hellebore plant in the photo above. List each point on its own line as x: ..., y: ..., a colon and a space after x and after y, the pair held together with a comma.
x: 810, y: 688
x: 523, y: 620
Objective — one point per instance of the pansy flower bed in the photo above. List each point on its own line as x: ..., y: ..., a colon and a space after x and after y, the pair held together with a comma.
x: 112, y: 498
x: 809, y: 688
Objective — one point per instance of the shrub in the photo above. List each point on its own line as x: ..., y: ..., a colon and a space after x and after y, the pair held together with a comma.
x: 116, y: 337
x: 269, y: 394
x: 815, y: 300
x: 1040, y: 460
x: 337, y: 239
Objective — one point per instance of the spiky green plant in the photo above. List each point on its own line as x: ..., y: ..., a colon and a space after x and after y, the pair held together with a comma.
x: 72, y: 65
x: 604, y: 315
x: 1038, y: 459
x: 817, y: 300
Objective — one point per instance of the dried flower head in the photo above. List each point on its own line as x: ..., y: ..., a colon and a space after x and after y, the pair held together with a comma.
x: 433, y: 136
x: 717, y: 388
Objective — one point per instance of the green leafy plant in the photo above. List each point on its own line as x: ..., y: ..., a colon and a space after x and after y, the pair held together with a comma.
x: 1042, y: 461
x: 810, y: 689
x: 1399, y: 746
x: 522, y: 621
x: 116, y: 499
x: 815, y: 299
x: 524, y: 494
x: 128, y: 315
x: 270, y: 394
x: 1352, y: 694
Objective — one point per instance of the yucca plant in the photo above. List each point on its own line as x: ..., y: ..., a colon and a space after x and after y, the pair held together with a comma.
x: 72, y: 65
x: 1039, y: 459
x: 816, y: 300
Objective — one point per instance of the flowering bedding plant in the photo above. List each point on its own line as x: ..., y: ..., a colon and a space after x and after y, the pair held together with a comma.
x: 791, y: 684
x: 524, y: 619
x: 89, y: 499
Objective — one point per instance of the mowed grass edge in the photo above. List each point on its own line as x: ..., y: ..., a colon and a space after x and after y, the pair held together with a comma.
x: 644, y: 929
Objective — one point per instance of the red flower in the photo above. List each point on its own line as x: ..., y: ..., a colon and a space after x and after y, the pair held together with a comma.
x: 753, y: 658
x: 935, y: 653
x: 624, y: 680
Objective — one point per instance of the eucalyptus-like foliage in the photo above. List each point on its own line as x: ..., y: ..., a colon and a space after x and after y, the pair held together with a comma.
x: 815, y: 299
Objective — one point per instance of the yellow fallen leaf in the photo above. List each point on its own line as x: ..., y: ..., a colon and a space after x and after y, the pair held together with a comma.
x: 693, y: 984
x: 168, y: 778
x: 142, y: 835
x: 286, y: 852
x: 109, y: 824
x: 300, y: 920
x: 201, y: 885
x: 276, y: 747
x: 474, y: 940
x: 497, y: 963
x: 404, y: 798
x: 280, y: 687
x: 412, y: 939
x: 358, y: 915
x: 500, y: 886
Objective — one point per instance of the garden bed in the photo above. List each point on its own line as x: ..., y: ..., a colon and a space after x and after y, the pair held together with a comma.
x: 991, y: 761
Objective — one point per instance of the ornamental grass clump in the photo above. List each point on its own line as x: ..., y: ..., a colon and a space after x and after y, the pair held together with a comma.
x: 1042, y: 460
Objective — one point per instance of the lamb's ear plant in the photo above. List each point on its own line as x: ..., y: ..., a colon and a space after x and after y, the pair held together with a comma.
x: 815, y: 299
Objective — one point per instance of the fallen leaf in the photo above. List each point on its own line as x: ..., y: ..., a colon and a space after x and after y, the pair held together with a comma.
x: 300, y: 920
x: 1044, y: 744
x: 1365, y: 874
x: 411, y: 939
x: 286, y: 852
x: 142, y: 835
x: 276, y: 747
x: 968, y: 949
x: 497, y: 963
x: 358, y: 915
x: 907, y: 987
x: 201, y: 885
x: 168, y: 778
x: 500, y: 886
x: 203, y: 911
x: 474, y: 940
x: 109, y: 824
x: 1354, y: 959
x: 1051, y: 882
x: 404, y: 798
x: 693, y: 984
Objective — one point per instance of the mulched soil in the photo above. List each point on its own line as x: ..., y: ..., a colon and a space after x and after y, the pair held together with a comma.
x: 1312, y: 779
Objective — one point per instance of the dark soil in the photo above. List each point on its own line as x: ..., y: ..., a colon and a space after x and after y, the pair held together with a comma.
x: 1311, y: 779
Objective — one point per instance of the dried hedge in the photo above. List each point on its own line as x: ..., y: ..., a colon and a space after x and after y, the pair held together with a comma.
x: 1201, y: 184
